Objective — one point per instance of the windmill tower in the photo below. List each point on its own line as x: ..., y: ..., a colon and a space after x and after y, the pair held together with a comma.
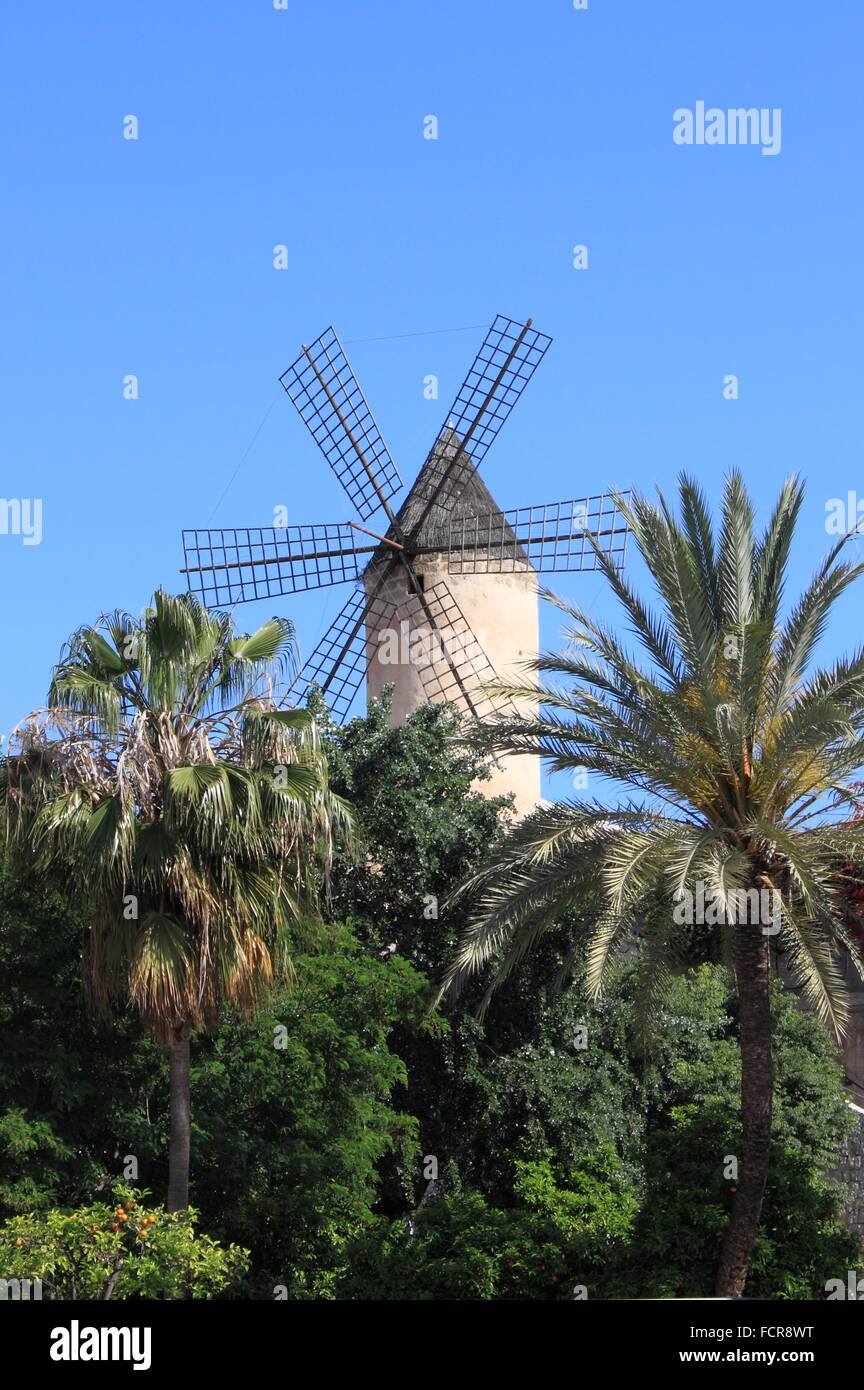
x: 487, y: 626
x: 446, y: 601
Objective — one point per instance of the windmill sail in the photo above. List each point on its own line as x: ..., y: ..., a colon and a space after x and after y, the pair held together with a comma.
x: 237, y: 565
x: 468, y: 674
x: 557, y: 536
x: 508, y: 358
x: 337, y: 666
x: 329, y: 400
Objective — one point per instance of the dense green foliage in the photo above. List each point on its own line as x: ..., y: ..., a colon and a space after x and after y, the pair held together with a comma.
x: 693, y: 1127
x: 568, y: 1163
x: 425, y: 825
x: 76, y: 1094
x: 294, y: 1115
x: 544, y: 1246
x: 289, y: 1125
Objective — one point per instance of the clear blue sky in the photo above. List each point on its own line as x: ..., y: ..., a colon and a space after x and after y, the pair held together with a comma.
x: 305, y: 127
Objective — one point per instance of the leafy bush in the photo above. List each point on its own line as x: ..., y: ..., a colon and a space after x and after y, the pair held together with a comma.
x: 121, y: 1249
x: 549, y: 1245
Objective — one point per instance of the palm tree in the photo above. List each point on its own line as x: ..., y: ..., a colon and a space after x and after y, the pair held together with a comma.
x: 189, y: 813
x: 739, y: 759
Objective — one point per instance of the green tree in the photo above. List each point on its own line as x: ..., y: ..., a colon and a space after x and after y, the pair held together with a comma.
x: 642, y: 1216
x: 189, y: 814
x: 741, y: 760
x: 119, y: 1249
x: 294, y: 1115
x: 693, y: 1141
x: 62, y: 1128
x: 424, y: 826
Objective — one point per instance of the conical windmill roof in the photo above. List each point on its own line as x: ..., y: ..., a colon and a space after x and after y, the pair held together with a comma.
x: 441, y: 495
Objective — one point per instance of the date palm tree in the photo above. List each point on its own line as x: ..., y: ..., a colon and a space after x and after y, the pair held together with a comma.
x: 739, y: 759
x: 188, y: 812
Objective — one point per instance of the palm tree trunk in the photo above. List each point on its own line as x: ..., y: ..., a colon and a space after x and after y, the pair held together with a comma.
x: 753, y: 976
x: 178, y: 1146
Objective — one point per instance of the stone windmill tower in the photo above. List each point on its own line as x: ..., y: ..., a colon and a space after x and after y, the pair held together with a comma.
x: 486, y: 624
x: 445, y: 602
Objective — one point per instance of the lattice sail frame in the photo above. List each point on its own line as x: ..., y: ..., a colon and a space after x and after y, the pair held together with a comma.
x: 338, y: 664
x: 239, y: 564
x: 554, y: 536
x: 475, y: 670
x: 330, y: 403
x: 509, y: 356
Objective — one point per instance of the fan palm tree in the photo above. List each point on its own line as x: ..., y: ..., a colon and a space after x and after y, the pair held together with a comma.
x: 739, y: 758
x: 188, y: 812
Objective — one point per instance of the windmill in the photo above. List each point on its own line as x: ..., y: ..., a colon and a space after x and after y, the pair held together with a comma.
x: 446, y: 597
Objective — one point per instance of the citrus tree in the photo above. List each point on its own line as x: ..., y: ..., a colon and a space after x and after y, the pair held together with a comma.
x: 116, y: 1249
